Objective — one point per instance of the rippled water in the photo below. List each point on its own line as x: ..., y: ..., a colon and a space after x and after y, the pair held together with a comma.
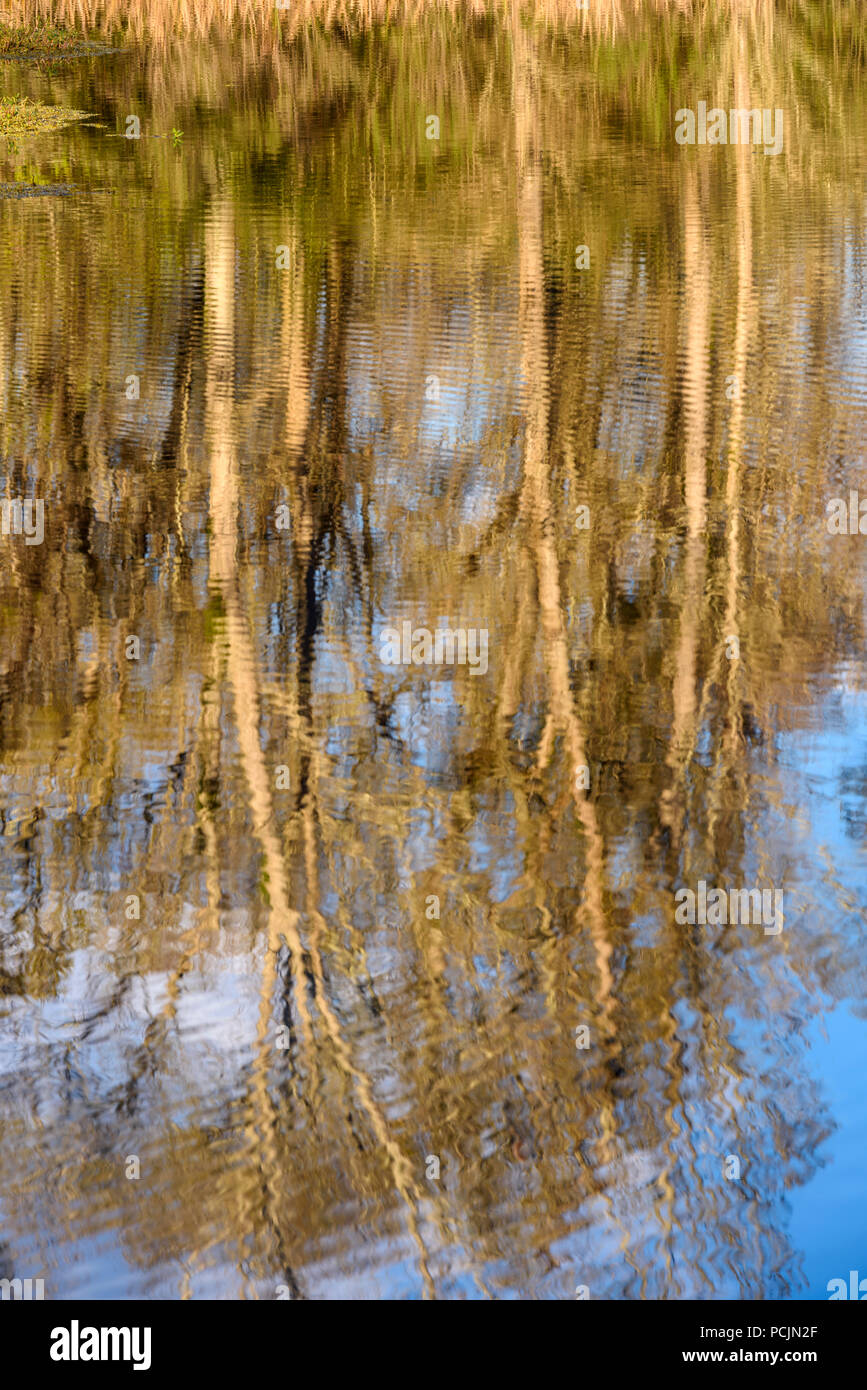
x: 281, y: 924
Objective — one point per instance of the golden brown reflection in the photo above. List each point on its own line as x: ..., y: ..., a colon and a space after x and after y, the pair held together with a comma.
x: 288, y: 924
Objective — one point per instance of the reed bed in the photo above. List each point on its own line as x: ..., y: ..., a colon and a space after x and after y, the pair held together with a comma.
x: 160, y: 19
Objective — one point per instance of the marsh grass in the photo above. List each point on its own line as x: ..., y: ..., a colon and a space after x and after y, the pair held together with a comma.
x: 37, y: 40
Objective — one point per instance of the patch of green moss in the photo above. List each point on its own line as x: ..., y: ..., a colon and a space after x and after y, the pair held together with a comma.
x: 45, y: 41
x: 21, y: 116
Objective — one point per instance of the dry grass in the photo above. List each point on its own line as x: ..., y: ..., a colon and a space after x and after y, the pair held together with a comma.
x: 21, y: 116
x: 159, y: 19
